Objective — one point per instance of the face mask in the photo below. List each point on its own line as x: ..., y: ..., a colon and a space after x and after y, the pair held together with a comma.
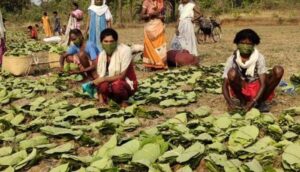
x: 110, y: 48
x: 77, y: 42
x: 245, y: 48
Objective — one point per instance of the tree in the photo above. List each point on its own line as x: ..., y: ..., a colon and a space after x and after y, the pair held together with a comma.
x: 14, y: 5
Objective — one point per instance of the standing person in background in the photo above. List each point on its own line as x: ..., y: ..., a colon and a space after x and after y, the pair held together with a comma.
x: 155, y: 52
x: 185, y: 26
x: 2, y: 38
x: 74, y: 22
x: 99, y: 19
x: 63, y: 29
x: 56, y: 27
x: 46, y: 25
x: 77, y: 14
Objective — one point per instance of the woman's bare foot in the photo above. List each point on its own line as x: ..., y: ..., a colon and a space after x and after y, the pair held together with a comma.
x: 101, y: 101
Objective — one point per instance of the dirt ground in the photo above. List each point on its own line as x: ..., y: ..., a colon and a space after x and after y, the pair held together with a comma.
x: 279, y: 44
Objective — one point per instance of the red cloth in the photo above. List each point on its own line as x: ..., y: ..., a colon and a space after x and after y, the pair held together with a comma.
x: 34, y: 34
x: 181, y: 58
x: 250, y: 90
x: 119, y: 90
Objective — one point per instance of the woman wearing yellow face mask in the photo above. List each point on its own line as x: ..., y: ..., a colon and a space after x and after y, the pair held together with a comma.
x: 246, y: 76
x: 116, y: 76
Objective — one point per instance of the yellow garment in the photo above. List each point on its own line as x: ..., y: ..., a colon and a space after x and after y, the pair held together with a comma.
x: 46, y: 26
x: 155, y: 52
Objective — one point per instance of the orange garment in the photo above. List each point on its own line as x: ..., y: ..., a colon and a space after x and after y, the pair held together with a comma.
x: 46, y: 26
x: 155, y: 51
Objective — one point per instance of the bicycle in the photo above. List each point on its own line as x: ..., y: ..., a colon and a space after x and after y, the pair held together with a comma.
x: 208, y: 27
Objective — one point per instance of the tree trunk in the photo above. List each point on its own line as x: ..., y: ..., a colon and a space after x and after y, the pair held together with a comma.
x: 173, y: 2
x: 120, y: 9
x: 131, y: 10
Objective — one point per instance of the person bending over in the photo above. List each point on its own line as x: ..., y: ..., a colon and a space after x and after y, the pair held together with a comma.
x: 83, y: 54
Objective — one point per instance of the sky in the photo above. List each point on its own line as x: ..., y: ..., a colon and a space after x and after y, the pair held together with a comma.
x: 37, y: 2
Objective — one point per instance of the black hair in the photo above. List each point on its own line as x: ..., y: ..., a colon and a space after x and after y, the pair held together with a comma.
x: 109, y: 32
x: 37, y: 25
x: 75, y: 4
x: 76, y: 32
x: 29, y: 27
x: 45, y: 14
x: 247, y: 34
x: 55, y: 12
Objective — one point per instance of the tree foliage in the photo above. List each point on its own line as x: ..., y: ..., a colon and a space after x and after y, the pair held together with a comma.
x: 14, y: 5
x: 128, y: 10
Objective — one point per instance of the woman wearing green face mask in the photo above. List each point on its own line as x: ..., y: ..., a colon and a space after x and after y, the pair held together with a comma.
x: 83, y: 54
x: 116, y: 76
x: 246, y: 76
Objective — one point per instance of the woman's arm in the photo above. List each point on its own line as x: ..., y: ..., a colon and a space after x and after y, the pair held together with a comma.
x: 197, y: 13
x: 87, y: 26
x: 225, y: 91
x: 62, y: 59
x: 109, y: 23
x: 93, y: 65
x: 262, y: 80
x: 144, y: 14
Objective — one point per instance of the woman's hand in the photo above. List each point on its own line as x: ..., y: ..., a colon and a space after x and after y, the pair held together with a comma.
x: 250, y: 105
x: 231, y: 106
x: 98, y: 81
x: 177, y: 32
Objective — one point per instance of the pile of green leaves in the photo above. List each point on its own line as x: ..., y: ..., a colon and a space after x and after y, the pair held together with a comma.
x: 39, y: 127
x: 226, y: 143
x: 14, y: 88
x: 295, y: 82
x: 25, y: 47
x: 167, y: 88
x: 18, y: 45
x: 59, y: 49
x: 43, y: 128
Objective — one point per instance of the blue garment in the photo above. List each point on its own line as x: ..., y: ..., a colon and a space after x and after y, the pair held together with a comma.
x: 97, y: 25
x: 90, y: 48
x: 89, y: 88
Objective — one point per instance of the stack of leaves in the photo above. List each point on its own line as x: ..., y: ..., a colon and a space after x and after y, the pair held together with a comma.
x: 13, y: 88
x: 295, y: 83
x: 59, y: 49
x: 226, y: 143
x: 179, y: 87
x: 25, y: 47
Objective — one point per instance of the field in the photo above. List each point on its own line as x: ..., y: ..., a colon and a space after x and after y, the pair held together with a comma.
x: 64, y: 117
x: 279, y: 45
